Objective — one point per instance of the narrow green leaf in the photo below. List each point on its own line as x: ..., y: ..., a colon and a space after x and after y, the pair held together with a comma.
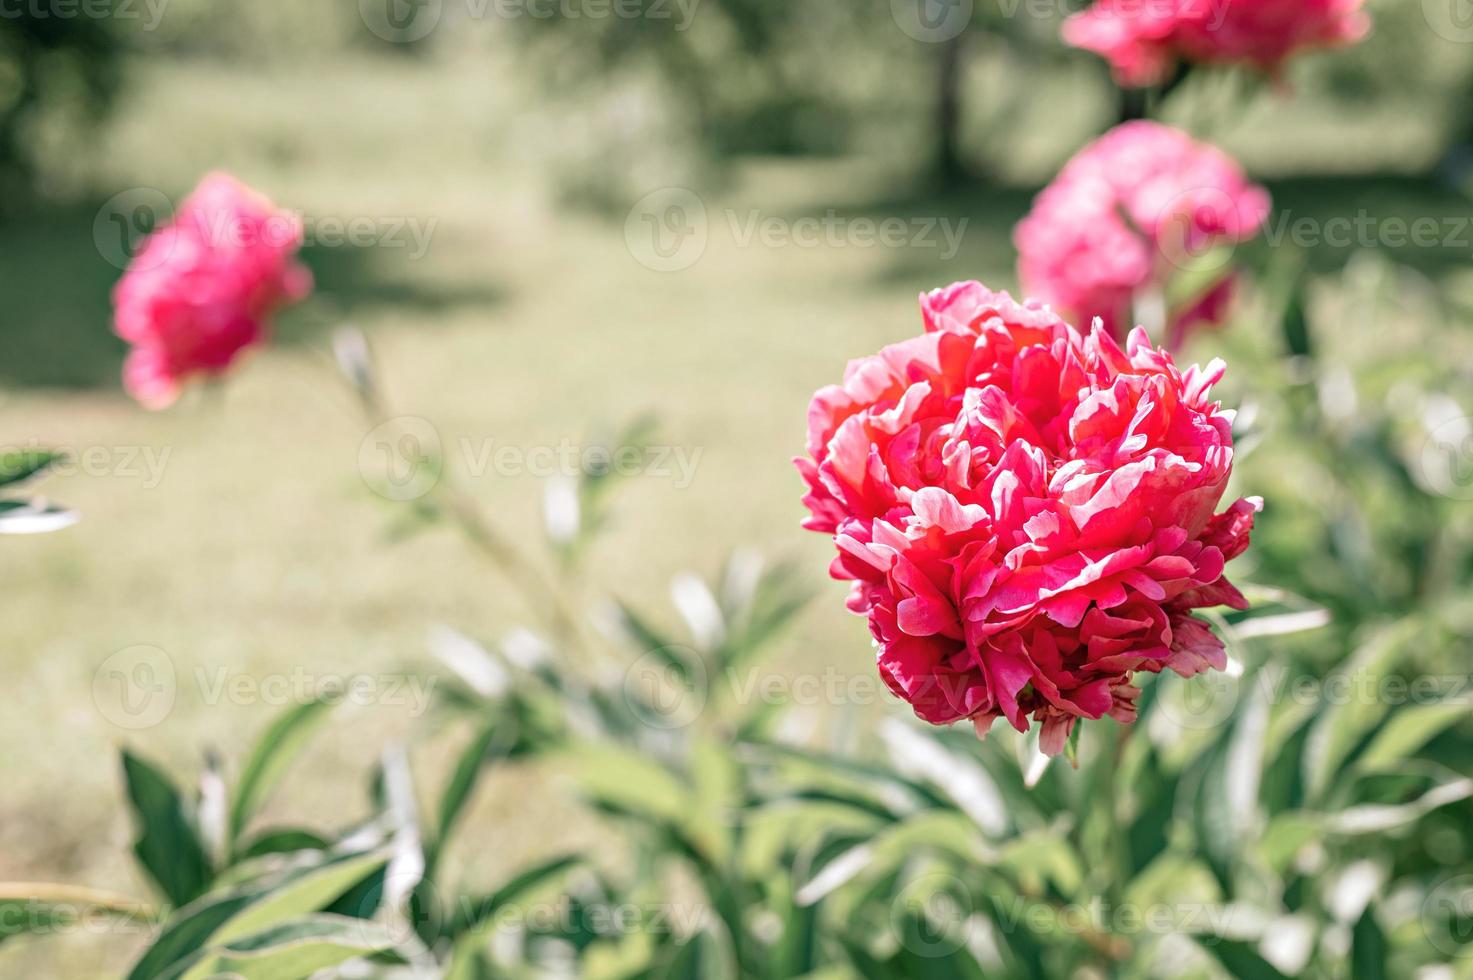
x: 19, y: 465
x: 262, y: 903
x: 290, y: 951
x: 1241, y: 960
x: 488, y: 744
x: 309, y: 892
x: 1408, y: 730
x: 1342, y: 726
x: 47, y: 908
x: 282, y: 841
x: 269, y: 760
x: 475, y: 912
x: 1368, y: 948
x: 168, y: 844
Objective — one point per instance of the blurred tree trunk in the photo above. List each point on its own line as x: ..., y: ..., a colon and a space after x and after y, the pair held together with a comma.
x: 951, y: 169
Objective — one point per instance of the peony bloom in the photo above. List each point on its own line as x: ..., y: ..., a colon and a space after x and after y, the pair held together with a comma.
x: 1144, y: 39
x: 203, y: 288
x: 1028, y: 514
x: 1126, y: 216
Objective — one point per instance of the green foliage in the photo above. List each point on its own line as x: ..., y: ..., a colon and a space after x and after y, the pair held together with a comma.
x: 34, y: 515
x: 59, y: 72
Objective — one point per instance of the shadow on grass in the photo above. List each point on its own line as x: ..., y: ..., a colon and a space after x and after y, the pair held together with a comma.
x: 1388, y: 206
x: 961, y: 234
x: 1382, y: 212
x: 58, y: 268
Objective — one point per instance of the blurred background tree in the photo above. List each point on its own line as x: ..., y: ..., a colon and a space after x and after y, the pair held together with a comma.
x: 58, y: 77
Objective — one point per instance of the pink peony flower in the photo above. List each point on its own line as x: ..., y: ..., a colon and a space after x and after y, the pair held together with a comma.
x: 1028, y: 515
x: 1144, y: 39
x: 1128, y: 214
x: 203, y: 288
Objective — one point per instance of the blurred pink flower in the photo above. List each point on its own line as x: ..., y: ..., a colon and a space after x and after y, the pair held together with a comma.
x: 1144, y: 39
x: 1027, y: 513
x: 1126, y: 216
x: 203, y: 288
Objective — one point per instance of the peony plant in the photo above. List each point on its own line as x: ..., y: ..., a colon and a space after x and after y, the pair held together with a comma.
x: 1027, y: 513
x: 203, y: 288
x: 1145, y: 41
x: 1134, y: 221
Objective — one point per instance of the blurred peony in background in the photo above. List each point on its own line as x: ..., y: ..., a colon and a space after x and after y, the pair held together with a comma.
x: 455, y: 599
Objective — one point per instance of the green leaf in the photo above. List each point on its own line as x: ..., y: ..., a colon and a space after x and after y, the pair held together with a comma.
x: 1375, y: 818
x: 1297, y: 338
x: 269, y: 901
x: 272, y: 755
x: 1408, y: 730
x: 34, y: 517
x: 1241, y: 960
x: 47, y: 909
x: 1343, y: 725
x: 629, y: 780
x: 1226, y: 810
x: 488, y: 744
x: 19, y: 465
x: 282, y: 841
x: 289, y: 951
x: 168, y: 844
x: 309, y: 892
x: 1368, y: 948
x: 474, y: 913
